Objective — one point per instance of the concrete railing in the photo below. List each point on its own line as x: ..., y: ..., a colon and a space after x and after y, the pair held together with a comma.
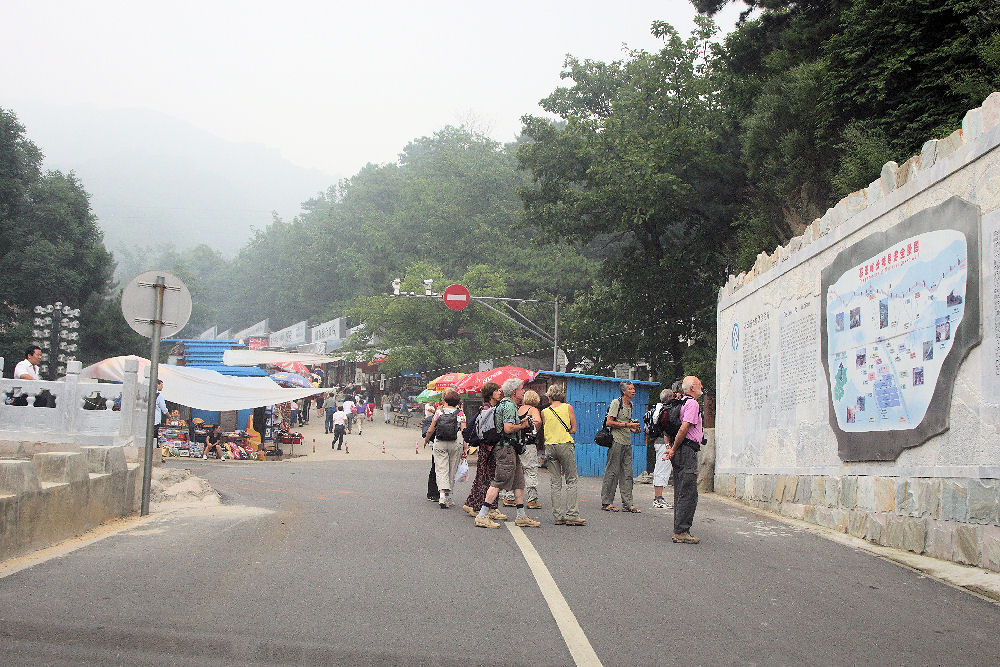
x: 72, y: 412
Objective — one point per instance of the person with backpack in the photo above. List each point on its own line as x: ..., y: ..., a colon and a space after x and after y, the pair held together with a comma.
x: 486, y: 464
x: 660, y: 431
x: 449, y: 448
x: 683, y: 452
x: 509, y: 474
x: 559, y: 422
x: 529, y: 457
x: 618, y: 470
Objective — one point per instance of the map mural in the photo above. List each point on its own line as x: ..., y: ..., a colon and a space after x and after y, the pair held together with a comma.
x: 889, y: 328
x: 900, y: 312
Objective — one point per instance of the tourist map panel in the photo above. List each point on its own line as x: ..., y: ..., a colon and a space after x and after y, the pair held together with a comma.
x: 890, y: 325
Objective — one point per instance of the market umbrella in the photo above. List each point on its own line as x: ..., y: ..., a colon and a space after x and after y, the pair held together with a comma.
x: 293, y: 367
x: 473, y: 383
x: 429, y: 396
x: 290, y: 380
x: 445, y: 381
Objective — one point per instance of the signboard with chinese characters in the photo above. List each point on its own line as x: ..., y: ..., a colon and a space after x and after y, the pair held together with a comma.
x: 289, y: 336
x: 336, y: 328
x: 900, y: 312
x: 259, y: 329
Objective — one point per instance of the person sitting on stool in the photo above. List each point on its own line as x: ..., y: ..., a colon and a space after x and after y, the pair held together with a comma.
x: 214, y: 441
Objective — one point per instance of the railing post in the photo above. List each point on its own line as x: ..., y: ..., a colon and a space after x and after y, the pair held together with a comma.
x: 69, y: 402
x: 130, y: 391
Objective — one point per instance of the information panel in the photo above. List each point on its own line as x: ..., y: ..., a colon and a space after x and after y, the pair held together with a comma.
x: 901, y: 310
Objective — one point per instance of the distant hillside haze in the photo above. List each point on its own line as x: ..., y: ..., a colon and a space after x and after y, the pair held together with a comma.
x: 156, y: 179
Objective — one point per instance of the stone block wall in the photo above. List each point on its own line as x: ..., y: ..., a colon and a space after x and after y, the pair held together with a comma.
x: 775, y: 446
x: 951, y: 518
x: 57, y: 495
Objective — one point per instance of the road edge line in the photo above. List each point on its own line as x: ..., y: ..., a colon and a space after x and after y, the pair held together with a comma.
x: 576, y: 640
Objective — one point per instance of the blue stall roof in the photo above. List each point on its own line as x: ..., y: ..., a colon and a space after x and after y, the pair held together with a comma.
x: 202, y: 353
x: 599, y: 377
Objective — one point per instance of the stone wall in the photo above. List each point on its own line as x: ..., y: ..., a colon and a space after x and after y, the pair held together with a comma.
x: 58, y: 495
x: 778, y: 442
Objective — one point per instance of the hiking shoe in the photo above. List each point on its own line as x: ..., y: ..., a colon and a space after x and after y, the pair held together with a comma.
x: 484, y: 522
x: 496, y: 516
x: 576, y: 521
x: 469, y: 510
x: 526, y: 522
x: 510, y: 503
x: 534, y: 505
x: 685, y: 538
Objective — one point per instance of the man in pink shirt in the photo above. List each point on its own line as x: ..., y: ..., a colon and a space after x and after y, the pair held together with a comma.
x: 684, y: 455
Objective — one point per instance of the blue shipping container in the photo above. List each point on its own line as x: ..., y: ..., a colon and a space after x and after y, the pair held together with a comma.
x: 590, y: 396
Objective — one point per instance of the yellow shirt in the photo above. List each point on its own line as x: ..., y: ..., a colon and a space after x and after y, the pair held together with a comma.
x: 555, y: 433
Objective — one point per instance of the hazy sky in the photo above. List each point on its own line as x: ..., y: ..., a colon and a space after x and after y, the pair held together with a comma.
x: 330, y: 85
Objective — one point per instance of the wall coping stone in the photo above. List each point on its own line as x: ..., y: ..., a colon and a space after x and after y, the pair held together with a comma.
x: 952, y: 154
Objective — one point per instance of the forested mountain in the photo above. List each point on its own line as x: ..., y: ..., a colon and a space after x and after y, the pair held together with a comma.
x: 156, y: 180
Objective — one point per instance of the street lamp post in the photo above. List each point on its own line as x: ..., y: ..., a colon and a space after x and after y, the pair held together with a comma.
x: 56, y: 334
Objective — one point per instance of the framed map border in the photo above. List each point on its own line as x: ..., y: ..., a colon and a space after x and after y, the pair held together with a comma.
x: 954, y: 213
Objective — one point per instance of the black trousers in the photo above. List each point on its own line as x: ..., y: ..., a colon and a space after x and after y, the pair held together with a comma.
x: 685, y: 487
x: 338, y: 435
x: 432, y: 483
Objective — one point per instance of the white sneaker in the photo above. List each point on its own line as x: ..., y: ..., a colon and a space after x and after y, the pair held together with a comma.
x: 204, y: 457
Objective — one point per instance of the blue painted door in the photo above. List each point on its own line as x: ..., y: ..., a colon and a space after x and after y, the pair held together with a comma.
x: 590, y: 399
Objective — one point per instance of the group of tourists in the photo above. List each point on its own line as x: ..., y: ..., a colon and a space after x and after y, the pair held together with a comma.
x: 513, y: 422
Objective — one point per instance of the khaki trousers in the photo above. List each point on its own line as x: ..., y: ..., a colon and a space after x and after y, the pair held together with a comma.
x: 562, y: 463
x: 447, y: 454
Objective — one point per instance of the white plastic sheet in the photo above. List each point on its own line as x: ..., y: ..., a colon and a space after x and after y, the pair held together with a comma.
x: 202, y: 388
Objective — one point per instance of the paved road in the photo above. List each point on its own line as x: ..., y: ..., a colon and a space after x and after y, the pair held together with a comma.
x: 345, y: 562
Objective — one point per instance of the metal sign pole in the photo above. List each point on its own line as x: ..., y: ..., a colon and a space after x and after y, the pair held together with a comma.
x: 555, y: 340
x: 154, y: 368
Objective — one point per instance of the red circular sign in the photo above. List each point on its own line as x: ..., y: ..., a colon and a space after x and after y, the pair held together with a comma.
x: 456, y: 297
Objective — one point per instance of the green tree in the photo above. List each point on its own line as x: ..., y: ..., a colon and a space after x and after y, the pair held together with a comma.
x: 636, y: 172
x: 51, y: 249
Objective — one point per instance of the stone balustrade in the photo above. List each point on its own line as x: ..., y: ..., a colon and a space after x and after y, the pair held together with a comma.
x: 71, y: 412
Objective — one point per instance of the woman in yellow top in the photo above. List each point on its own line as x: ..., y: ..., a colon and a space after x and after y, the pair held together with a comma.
x: 559, y: 422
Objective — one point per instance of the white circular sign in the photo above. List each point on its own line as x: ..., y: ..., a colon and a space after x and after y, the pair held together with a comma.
x: 139, y: 303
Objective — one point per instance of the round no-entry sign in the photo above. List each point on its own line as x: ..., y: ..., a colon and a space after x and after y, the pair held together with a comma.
x: 456, y: 297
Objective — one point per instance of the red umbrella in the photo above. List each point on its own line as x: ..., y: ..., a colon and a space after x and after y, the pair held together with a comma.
x: 293, y: 367
x: 444, y: 381
x: 472, y: 384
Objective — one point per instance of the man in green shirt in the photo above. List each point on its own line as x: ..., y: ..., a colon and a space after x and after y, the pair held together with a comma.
x: 509, y: 475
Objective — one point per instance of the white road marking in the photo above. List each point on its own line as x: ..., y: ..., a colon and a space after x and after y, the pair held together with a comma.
x: 576, y: 641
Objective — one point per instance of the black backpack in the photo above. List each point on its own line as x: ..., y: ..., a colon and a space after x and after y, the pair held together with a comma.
x: 446, y: 427
x: 670, y: 418
x: 654, y: 420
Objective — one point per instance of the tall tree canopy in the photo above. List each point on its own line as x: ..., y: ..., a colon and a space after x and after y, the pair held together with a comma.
x: 636, y: 169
